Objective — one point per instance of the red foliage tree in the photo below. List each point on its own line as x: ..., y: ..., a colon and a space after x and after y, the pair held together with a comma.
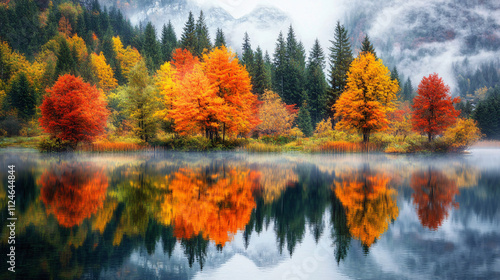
x: 433, y: 109
x: 73, y: 110
x: 433, y: 196
x: 73, y: 192
x: 184, y: 62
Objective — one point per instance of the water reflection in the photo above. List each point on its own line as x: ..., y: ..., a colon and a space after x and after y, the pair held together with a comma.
x: 368, y: 203
x: 434, y: 195
x: 73, y: 192
x: 90, y: 216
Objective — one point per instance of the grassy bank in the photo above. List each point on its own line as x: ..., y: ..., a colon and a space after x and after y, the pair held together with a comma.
x: 338, y: 143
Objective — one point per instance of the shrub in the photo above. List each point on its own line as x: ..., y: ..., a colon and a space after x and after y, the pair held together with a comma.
x: 54, y: 145
x: 324, y: 129
x: 262, y: 147
x: 11, y: 125
x: 462, y: 134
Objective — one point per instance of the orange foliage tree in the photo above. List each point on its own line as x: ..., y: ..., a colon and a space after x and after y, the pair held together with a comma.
x: 232, y: 83
x: 433, y: 109
x: 400, y: 120
x: 276, y: 116
x: 197, y: 108
x: 184, y: 62
x: 213, y: 201
x: 433, y: 196
x: 368, y: 97
x: 73, y: 110
x: 369, y: 203
x: 73, y: 192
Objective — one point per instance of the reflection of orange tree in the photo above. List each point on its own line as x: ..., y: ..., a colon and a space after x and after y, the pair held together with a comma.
x: 73, y: 192
x: 215, y: 202
x: 369, y: 204
x: 274, y: 180
x: 433, y: 195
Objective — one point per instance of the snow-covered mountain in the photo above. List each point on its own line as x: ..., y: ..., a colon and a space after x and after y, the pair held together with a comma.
x: 419, y: 36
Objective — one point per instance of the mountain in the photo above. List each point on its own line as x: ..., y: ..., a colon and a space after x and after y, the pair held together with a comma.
x: 419, y: 37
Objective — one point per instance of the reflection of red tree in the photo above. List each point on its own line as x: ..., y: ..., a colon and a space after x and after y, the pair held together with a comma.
x: 433, y: 195
x: 73, y: 192
x: 216, y: 204
x: 369, y: 203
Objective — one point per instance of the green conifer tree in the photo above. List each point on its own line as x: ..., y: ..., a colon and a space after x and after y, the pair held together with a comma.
x: 304, y: 122
x: 189, y: 38
x: 202, y: 36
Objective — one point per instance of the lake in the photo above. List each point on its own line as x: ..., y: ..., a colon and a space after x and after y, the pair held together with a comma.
x: 252, y: 216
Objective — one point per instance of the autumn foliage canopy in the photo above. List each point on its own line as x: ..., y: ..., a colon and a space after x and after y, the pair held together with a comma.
x: 369, y: 96
x: 433, y: 109
x: 73, y: 110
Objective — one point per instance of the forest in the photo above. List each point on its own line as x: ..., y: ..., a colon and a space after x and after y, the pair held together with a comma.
x: 78, y: 76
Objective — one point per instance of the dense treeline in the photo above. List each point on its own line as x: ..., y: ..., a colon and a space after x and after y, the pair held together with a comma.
x: 143, y: 74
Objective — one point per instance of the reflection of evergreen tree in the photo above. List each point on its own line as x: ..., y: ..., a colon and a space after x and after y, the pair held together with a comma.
x: 316, y: 201
x: 340, y: 231
x: 152, y: 236
x: 289, y: 218
x: 195, y: 249
x: 168, y: 239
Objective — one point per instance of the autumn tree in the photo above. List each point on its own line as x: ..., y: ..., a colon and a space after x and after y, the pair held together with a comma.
x: 462, y: 134
x: 276, y: 116
x: 197, y: 108
x: 232, y: 83
x: 433, y: 109
x: 103, y: 72
x: 369, y: 96
x: 434, y: 195
x: 139, y: 99
x: 184, y: 62
x: 369, y: 204
x: 73, y: 192
x: 400, y: 120
x: 166, y: 82
x: 128, y: 57
x: 73, y: 110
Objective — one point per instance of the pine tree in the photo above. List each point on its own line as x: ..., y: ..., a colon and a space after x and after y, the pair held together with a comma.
x: 279, y: 66
x: 168, y: 41
x: 202, y: 36
x: 220, y: 39
x: 65, y: 60
x: 340, y: 61
x: 189, y: 37
x: 316, y: 84
x: 260, y: 79
x: 367, y: 46
x: 23, y: 97
x: 294, y: 82
x: 111, y: 56
x: 247, y: 57
x: 151, y: 48
x: 408, y: 90
x: 304, y: 120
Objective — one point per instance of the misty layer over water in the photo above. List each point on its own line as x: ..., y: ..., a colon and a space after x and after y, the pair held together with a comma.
x: 254, y: 216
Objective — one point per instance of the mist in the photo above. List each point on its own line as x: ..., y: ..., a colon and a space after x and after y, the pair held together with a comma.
x: 419, y: 37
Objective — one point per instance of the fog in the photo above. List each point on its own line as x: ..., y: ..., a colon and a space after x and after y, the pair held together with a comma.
x: 419, y: 36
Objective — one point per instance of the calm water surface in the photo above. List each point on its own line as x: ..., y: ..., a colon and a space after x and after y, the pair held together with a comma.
x: 247, y: 216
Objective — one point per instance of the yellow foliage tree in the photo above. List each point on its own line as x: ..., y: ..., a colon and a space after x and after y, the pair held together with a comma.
x: 78, y: 44
x: 462, y: 134
x: 369, y: 95
x: 324, y: 128
x: 275, y: 116
x: 128, y: 57
x: 369, y: 203
x: 104, y: 72
x: 166, y: 82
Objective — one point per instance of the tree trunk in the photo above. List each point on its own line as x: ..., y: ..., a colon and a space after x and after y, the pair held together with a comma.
x: 366, y: 137
x: 223, y: 131
x: 429, y: 135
